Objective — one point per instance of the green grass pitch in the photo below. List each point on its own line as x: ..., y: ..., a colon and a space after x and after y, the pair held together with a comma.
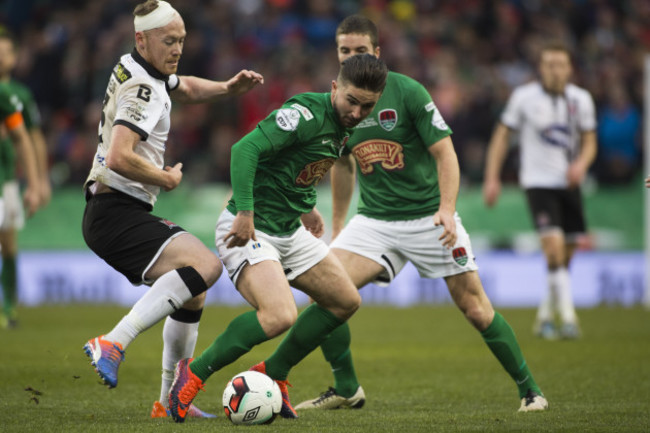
x: 424, y: 369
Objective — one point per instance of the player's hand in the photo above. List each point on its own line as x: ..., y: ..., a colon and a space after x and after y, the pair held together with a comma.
x: 647, y: 182
x: 244, y: 81
x: 313, y: 222
x: 447, y: 221
x: 45, y: 192
x: 175, y: 176
x: 491, y: 192
x: 575, y: 174
x: 242, y: 230
x: 31, y: 200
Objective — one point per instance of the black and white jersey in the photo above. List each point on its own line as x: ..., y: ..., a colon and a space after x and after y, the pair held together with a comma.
x: 137, y: 97
x: 550, y: 127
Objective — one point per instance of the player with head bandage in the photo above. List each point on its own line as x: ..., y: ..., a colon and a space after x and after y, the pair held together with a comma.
x: 126, y: 177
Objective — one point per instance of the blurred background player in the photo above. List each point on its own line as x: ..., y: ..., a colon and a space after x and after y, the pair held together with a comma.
x: 126, y: 177
x: 408, y: 184
x: 556, y: 121
x: 13, y: 216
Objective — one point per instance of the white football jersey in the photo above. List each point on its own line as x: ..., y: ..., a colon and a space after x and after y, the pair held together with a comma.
x: 550, y: 127
x: 137, y: 97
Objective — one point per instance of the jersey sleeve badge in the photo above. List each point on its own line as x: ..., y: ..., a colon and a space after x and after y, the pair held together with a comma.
x: 121, y: 73
x: 287, y: 119
x: 437, y: 119
x: 304, y: 111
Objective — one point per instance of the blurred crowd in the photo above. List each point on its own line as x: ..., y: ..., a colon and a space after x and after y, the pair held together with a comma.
x: 469, y: 54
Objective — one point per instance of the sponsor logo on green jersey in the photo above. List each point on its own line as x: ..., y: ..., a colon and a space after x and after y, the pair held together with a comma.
x: 389, y: 154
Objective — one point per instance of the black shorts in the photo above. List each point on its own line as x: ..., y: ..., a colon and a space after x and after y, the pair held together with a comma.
x: 121, y: 230
x: 557, y: 208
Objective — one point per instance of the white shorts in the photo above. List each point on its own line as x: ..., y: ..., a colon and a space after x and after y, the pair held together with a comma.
x: 393, y: 243
x: 297, y: 252
x: 12, y: 215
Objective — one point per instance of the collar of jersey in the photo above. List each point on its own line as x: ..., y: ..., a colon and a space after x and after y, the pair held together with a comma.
x: 148, y: 67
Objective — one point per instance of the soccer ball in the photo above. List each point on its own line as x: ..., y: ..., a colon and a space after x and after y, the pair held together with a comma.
x: 252, y: 397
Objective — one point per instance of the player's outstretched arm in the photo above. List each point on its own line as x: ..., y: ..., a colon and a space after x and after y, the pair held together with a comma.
x: 193, y: 90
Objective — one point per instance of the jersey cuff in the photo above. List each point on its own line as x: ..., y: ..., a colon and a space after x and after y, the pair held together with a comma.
x: 14, y: 120
x: 133, y: 128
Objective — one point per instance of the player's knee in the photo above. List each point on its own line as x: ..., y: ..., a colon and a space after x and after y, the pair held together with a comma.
x: 479, y: 315
x: 214, y: 270
x: 196, y: 302
x: 209, y: 267
x: 555, y: 261
x: 276, y: 321
x: 194, y: 281
x: 349, y: 304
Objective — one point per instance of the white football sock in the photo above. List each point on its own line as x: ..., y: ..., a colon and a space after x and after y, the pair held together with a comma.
x: 165, y: 296
x: 179, y: 340
x: 564, y: 299
x: 545, y: 311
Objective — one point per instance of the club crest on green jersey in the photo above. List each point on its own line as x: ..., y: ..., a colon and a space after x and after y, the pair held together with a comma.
x: 388, y: 119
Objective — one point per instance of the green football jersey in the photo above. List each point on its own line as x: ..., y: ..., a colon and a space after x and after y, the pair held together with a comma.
x: 21, y: 98
x: 397, y: 175
x: 7, y: 108
x: 275, y: 168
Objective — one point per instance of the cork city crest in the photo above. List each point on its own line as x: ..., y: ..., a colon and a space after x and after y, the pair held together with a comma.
x: 388, y: 119
x: 460, y: 256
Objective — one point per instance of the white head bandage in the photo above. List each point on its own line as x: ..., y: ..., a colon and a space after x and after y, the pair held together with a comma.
x: 159, y: 17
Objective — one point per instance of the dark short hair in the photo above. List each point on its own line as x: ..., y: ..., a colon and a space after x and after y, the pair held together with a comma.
x: 364, y: 71
x: 555, y: 45
x: 145, y: 8
x: 5, y: 33
x: 359, y: 25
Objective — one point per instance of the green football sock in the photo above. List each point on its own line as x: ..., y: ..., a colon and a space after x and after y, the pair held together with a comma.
x: 240, y: 336
x: 8, y: 280
x: 336, y: 349
x: 501, y: 340
x: 311, y: 328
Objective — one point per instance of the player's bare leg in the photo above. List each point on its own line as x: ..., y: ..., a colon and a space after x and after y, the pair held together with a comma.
x: 467, y: 292
x: 558, y: 298
x: 186, y: 268
x: 347, y: 391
